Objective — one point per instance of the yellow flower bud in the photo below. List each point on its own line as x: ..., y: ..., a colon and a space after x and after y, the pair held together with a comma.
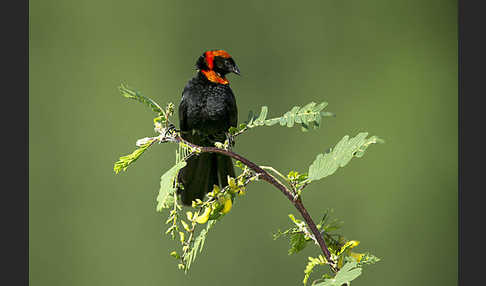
x: 357, y: 256
x: 348, y: 245
x: 189, y: 215
x: 351, y: 244
x: 185, y: 225
x: 203, y: 218
x: 175, y: 255
x: 227, y: 206
x: 242, y: 191
x: 231, y: 183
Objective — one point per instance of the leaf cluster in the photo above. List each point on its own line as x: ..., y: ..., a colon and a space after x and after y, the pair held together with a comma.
x: 326, y: 164
x: 338, y: 246
x: 207, y: 212
x: 137, y: 96
x: 160, y: 122
x: 313, y: 262
x: 307, y: 117
x: 124, y: 161
x: 165, y: 198
x: 344, y: 276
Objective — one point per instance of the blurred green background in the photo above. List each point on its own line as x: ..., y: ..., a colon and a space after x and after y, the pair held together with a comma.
x: 386, y: 67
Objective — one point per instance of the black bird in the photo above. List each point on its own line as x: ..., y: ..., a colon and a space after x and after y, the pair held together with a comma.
x: 206, y: 112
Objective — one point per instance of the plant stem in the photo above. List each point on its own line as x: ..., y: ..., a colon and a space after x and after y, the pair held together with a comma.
x: 295, y: 200
x: 276, y: 172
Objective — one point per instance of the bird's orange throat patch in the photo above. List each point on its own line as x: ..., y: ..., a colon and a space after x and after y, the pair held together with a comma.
x: 214, y: 77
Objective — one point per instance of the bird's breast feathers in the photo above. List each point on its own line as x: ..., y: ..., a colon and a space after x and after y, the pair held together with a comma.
x: 208, y: 107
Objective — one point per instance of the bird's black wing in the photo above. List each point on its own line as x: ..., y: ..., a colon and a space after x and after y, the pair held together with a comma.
x: 182, y: 113
x: 232, y: 109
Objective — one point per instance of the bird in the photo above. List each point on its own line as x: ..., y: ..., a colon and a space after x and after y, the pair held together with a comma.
x: 206, y: 112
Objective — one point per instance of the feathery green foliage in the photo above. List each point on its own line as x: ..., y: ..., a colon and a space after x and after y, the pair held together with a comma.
x: 338, y: 246
x: 345, y: 275
x: 346, y: 264
x: 297, y: 243
x: 125, y: 161
x: 197, y: 245
x: 136, y: 95
x: 165, y: 198
x: 326, y: 164
x: 307, y: 117
x: 367, y: 259
x: 168, y: 188
x: 313, y: 262
x: 297, y: 236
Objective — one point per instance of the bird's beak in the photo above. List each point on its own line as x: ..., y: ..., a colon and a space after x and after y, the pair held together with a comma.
x: 236, y: 70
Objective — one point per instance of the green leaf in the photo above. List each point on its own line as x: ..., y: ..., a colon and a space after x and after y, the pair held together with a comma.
x: 125, y: 161
x: 285, y: 233
x: 291, y: 115
x: 326, y: 164
x: 367, y: 259
x: 313, y: 262
x: 296, y: 178
x: 302, y: 228
x: 308, y: 116
x: 348, y: 273
x: 261, y: 118
x: 167, y: 187
x: 297, y: 243
x: 270, y: 122
x: 197, y: 245
x: 135, y: 95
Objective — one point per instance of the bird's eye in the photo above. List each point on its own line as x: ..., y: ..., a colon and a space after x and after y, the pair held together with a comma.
x: 220, y: 63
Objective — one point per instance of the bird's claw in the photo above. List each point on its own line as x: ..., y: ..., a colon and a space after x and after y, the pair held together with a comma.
x: 231, y: 139
x: 170, y: 128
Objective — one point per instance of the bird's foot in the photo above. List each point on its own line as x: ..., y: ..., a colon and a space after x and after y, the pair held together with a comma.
x: 231, y: 140
x: 170, y: 129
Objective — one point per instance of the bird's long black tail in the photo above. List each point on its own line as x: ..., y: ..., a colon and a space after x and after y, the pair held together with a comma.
x: 201, y: 173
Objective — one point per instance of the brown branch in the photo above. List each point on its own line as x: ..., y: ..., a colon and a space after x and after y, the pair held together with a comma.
x: 294, y: 199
